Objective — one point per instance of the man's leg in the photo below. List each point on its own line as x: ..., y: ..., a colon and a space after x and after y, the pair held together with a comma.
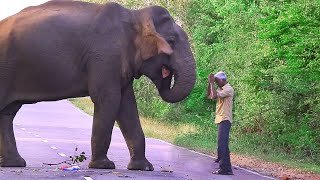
x: 218, y: 154
x: 223, y: 146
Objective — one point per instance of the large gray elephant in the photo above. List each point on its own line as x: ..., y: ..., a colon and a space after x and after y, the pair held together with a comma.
x: 66, y: 49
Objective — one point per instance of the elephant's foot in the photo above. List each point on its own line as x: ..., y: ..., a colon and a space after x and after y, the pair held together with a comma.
x: 13, y: 161
x: 102, y: 164
x: 143, y: 164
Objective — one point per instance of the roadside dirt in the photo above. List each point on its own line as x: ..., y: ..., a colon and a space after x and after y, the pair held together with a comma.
x: 272, y: 169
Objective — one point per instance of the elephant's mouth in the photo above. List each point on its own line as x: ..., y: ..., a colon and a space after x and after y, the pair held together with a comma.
x: 165, y: 72
x: 167, y: 78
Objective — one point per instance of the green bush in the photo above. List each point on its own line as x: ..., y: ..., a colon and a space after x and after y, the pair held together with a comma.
x: 270, y: 50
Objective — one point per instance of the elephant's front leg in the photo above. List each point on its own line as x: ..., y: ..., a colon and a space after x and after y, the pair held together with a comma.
x: 130, y: 126
x: 105, y: 94
x: 103, y: 122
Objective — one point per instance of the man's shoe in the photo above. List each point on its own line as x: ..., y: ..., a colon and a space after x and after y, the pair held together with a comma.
x: 221, y: 172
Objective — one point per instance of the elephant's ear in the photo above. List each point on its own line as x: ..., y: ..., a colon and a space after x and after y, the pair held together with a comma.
x: 151, y: 43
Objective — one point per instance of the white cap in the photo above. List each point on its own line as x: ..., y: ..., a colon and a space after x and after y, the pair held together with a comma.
x: 221, y: 75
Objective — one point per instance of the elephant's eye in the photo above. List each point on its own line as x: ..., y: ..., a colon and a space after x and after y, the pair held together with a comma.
x: 172, y: 42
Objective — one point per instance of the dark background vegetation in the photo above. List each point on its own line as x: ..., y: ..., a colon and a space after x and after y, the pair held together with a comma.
x: 270, y: 52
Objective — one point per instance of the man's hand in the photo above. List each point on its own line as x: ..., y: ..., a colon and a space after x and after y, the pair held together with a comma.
x: 210, y: 96
x: 211, y: 78
x: 211, y: 91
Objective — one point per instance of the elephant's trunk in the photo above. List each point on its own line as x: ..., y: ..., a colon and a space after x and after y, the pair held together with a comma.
x: 183, y: 65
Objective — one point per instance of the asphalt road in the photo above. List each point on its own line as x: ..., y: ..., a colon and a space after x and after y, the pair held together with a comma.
x: 49, y: 133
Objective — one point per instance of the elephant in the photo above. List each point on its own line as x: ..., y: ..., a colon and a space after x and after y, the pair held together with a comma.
x: 68, y: 49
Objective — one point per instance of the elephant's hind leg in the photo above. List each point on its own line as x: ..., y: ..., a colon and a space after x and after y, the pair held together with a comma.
x: 9, y: 156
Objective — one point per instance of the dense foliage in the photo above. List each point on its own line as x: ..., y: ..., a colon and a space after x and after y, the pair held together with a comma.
x: 270, y: 52
x: 270, y: 49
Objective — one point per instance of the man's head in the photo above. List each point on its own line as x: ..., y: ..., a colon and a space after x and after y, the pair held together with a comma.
x: 220, y: 78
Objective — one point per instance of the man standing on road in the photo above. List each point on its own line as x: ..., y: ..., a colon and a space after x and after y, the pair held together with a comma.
x: 223, y: 95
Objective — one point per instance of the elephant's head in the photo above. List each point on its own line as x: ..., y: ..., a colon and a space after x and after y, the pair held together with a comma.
x: 164, y: 54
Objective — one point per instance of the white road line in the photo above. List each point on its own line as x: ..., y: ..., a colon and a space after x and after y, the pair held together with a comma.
x: 63, y: 155
x: 53, y: 147
x: 87, y: 178
x: 254, y: 172
x: 79, y: 110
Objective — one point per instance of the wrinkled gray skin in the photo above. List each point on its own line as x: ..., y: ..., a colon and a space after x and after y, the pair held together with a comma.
x: 69, y: 49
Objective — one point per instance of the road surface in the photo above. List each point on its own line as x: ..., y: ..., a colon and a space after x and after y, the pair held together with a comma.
x: 50, y: 132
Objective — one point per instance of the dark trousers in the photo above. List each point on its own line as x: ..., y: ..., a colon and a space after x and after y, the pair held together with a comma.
x: 223, y: 145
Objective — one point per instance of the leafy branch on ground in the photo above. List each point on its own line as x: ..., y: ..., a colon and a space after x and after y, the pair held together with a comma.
x: 78, y: 158
x: 75, y: 159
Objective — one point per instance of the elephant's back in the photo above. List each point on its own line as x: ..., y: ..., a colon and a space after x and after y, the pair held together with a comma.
x: 57, y: 26
x: 57, y: 13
